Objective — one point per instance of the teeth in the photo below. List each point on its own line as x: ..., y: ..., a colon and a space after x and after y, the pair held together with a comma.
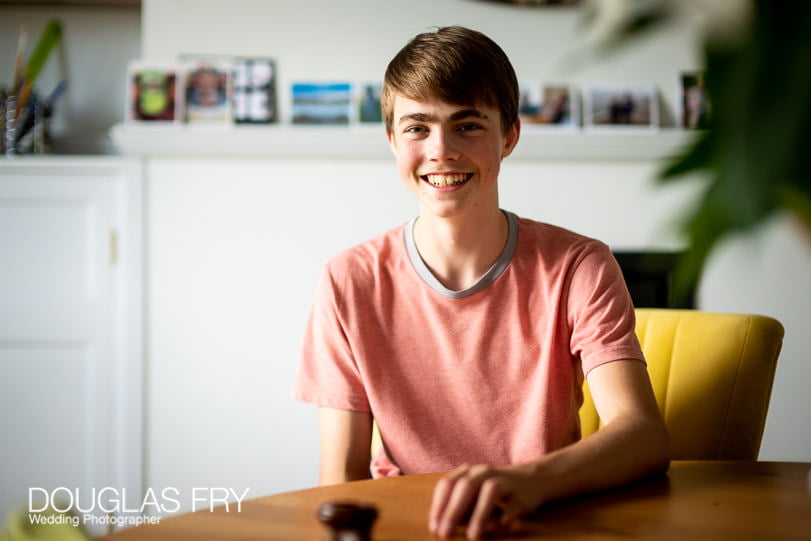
x: 447, y: 180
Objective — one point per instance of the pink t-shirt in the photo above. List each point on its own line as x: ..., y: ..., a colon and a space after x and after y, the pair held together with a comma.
x: 490, y: 375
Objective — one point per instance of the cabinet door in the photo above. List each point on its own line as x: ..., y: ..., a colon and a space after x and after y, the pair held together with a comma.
x: 65, y: 368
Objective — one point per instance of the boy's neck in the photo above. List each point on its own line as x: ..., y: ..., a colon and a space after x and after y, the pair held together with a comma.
x: 460, y: 249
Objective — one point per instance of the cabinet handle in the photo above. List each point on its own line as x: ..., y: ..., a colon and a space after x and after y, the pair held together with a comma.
x: 113, y: 247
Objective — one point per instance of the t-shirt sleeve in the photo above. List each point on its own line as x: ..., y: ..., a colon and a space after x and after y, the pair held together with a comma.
x: 601, y: 312
x: 328, y: 374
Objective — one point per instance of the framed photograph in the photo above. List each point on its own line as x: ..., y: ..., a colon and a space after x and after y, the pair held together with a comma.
x: 619, y: 107
x: 695, y: 107
x: 317, y: 103
x: 548, y: 106
x: 368, y: 104
x: 154, y: 93
x: 255, y: 91
x: 207, y: 92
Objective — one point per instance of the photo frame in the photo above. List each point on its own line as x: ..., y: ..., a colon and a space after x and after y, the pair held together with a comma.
x: 208, y: 92
x: 621, y: 107
x: 548, y: 106
x: 694, y: 104
x: 254, y: 89
x: 368, y: 104
x: 321, y: 103
x: 154, y: 93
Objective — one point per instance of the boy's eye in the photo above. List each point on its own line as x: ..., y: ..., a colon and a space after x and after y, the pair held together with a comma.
x: 415, y: 131
x: 469, y: 127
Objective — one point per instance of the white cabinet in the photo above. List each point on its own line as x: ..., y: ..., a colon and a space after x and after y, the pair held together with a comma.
x: 70, y: 327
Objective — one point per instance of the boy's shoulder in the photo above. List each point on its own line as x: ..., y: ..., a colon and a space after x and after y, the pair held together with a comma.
x: 543, y: 245
x: 553, y: 237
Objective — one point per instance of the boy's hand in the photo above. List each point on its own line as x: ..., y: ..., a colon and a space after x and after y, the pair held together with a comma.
x: 488, y: 499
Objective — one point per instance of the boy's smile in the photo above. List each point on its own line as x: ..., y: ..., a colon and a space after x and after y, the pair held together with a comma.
x: 449, y: 155
x: 447, y: 180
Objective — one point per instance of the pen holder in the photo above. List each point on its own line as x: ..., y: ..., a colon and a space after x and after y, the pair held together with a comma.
x: 26, y: 133
x: 9, y: 125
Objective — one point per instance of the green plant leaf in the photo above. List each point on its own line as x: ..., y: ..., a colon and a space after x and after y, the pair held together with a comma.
x: 640, y: 17
x: 697, y: 157
x: 759, y: 134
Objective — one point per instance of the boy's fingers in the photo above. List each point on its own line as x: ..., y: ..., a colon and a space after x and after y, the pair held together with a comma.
x: 461, y: 499
x: 442, y: 494
x: 487, y: 505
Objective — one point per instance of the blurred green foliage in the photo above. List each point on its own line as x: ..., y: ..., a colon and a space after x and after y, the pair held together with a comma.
x: 757, y: 148
x: 756, y: 151
x: 61, y: 527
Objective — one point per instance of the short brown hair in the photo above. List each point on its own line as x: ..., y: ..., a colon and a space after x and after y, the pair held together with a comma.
x: 457, y: 65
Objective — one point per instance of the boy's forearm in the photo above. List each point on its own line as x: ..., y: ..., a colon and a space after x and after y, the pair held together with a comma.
x: 619, y: 453
x: 625, y: 450
x: 632, y: 443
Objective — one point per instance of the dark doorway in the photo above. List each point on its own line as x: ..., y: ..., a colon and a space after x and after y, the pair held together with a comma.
x: 649, y: 276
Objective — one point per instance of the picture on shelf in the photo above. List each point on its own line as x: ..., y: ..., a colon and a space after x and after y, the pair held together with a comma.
x: 695, y: 105
x: 322, y: 103
x: 369, y: 103
x: 154, y: 93
x: 548, y: 106
x: 208, y: 92
x: 621, y: 107
x: 255, y: 91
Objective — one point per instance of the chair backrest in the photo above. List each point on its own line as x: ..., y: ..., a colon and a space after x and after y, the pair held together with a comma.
x: 712, y: 375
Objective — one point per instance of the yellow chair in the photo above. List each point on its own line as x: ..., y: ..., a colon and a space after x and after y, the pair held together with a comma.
x: 712, y: 375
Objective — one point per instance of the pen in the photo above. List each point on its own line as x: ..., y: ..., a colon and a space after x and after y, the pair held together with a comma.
x: 57, y: 92
x: 18, y: 62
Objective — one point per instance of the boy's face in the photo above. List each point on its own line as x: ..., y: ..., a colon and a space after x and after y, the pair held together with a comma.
x: 449, y: 155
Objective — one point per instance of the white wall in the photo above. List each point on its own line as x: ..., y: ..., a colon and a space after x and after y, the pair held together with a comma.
x: 235, y: 246
x: 97, y: 43
x: 235, y: 249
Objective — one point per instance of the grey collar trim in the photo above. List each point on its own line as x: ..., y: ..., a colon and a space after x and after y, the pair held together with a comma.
x: 492, y: 274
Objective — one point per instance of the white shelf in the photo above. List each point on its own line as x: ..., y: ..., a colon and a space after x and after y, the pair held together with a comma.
x: 603, y: 145
x: 334, y: 142
x: 251, y: 141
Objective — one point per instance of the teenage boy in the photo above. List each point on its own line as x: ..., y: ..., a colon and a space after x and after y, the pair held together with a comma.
x: 466, y: 334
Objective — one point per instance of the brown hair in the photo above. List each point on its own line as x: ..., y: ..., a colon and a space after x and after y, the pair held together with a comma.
x: 457, y: 65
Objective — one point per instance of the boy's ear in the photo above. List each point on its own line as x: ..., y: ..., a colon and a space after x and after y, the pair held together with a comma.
x: 390, y: 139
x: 511, y: 138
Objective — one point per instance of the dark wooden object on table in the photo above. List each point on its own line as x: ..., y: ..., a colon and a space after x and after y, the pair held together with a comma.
x: 347, y: 521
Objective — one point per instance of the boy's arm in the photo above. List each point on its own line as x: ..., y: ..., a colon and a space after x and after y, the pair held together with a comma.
x: 633, y: 443
x: 346, y: 438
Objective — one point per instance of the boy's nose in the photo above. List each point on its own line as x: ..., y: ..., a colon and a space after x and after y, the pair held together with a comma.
x: 442, y: 147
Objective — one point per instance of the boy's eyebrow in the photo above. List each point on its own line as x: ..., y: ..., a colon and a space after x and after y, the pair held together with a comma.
x: 458, y: 115
x: 464, y: 113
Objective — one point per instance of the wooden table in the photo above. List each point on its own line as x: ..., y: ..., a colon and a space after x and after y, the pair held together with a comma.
x: 695, y: 501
